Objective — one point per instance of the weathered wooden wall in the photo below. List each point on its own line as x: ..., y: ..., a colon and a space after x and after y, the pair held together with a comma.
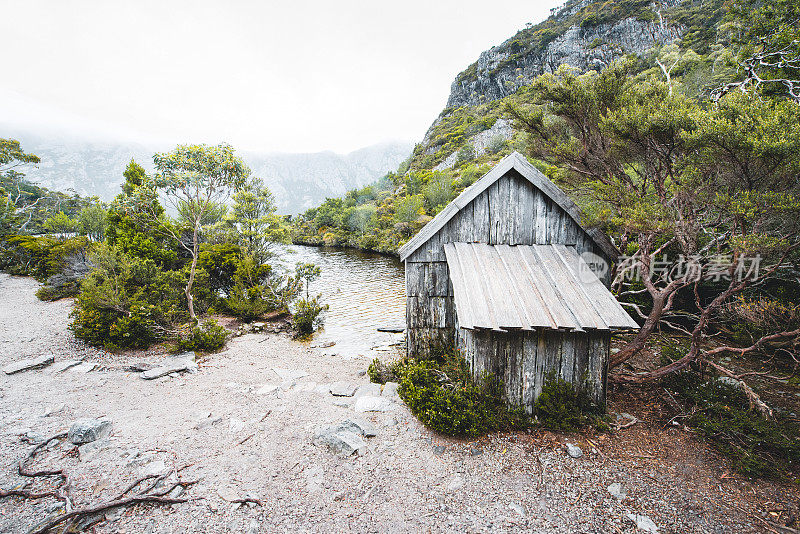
x: 522, y: 360
x: 430, y: 311
x: 511, y: 211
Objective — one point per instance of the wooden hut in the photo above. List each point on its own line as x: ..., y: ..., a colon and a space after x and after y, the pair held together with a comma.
x: 509, y: 275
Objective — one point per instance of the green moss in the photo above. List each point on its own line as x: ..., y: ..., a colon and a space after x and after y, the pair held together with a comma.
x: 563, y: 407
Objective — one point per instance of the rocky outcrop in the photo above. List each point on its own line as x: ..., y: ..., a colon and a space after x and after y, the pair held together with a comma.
x: 500, y: 71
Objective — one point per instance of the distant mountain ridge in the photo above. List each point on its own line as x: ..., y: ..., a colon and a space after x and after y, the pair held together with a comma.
x: 299, y: 181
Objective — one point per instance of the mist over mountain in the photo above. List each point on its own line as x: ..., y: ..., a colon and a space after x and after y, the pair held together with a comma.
x: 91, y: 166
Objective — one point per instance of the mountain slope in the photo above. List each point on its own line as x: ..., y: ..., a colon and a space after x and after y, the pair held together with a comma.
x: 473, y: 132
x: 299, y: 181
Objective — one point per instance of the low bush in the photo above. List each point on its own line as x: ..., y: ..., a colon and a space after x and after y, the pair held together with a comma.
x: 256, y: 291
x: 441, y: 393
x: 563, y: 407
x: 207, y: 337
x: 721, y: 413
x: 307, y: 316
x: 129, y: 302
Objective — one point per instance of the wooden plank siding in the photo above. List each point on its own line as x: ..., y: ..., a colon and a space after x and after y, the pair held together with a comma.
x: 510, y: 212
x: 523, y: 360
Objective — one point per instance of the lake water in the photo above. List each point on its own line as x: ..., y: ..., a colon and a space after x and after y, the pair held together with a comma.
x: 365, y: 291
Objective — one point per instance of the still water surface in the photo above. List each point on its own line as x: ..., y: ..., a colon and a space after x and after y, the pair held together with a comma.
x: 364, y: 291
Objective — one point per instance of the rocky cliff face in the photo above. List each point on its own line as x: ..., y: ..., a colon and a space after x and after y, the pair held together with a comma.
x: 503, y: 69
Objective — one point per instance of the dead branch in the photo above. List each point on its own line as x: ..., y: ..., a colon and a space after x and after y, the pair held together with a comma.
x: 23, y: 463
x: 245, y: 500
x: 27, y: 494
x: 752, y: 397
x: 102, y: 507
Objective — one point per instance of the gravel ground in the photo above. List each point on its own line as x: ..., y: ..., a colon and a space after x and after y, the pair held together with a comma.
x: 260, y: 445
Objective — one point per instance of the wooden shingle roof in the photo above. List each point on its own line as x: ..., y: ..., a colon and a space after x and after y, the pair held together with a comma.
x: 505, y: 287
x: 517, y: 162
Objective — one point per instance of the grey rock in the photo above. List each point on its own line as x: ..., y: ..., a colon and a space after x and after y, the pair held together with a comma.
x: 373, y: 390
x: 574, y: 451
x: 207, y: 422
x: 62, y: 366
x: 359, y: 426
x: 84, y: 367
x: 497, y: 74
x: 268, y: 389
x: 729, y: 381
x: 518, y: 508
x: 342, y: 442
x: 177, y: 365
x: 53, y: 410
x: 88, y: 451
x: 254, y: 527
x: 88, y: 430
x: 237, y: 425
x: 372, y: 404
x: 33, y: 437
x: 475, y: 451
x: 139, y: 367
x: 228, y: 494
x: 342, y: 389
x: 389, y: 389
x: 643, y: 523
x: 438, y: 450
x: 157, y: 467
x: 29, y: 364
x: 616, y: 491
x: 342, y: 403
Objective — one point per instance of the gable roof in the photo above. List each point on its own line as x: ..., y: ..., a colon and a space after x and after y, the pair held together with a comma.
x: 517, y: 162
x: 524, y: 287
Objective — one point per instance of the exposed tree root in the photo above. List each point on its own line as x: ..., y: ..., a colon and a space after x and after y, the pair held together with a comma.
x: 153, y: 488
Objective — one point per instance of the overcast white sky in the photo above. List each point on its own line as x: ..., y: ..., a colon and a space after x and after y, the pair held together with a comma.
x: 290, y: 76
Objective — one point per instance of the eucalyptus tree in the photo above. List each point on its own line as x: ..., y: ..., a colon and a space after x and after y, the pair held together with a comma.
x: 254, y: 218
x: 193, y: 180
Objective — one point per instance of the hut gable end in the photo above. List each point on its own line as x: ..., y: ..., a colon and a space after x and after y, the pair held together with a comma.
x: 514, y: 204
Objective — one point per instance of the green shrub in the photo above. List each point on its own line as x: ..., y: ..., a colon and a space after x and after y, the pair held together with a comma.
x: 721, y: 413
x: 563, y: 407
x: 207, y: 337
x: 113, y: 329
x: 39, y: 256
x: 128, y: 302
x: 52, y: 293
x: 442, y: 395
x: 306, y: 317
x: 255, y: 291
x: 220, y: 261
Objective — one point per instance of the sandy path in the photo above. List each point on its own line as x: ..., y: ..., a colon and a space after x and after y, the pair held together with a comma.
x: 409, y: 480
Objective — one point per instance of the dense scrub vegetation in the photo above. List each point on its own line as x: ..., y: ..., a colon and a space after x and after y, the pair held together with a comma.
x: 141, y: 276
x: 721, y: 412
